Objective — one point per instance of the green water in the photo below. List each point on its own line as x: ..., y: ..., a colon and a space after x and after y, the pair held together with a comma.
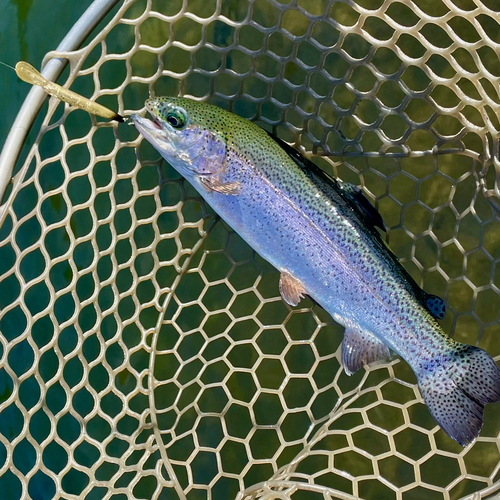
x: 28, y: 30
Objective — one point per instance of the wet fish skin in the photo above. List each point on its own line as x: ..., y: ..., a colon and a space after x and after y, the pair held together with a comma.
x: 323, y: 246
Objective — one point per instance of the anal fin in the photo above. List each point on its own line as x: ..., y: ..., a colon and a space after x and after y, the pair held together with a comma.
x: 291, y: 289
x: 361, y: 348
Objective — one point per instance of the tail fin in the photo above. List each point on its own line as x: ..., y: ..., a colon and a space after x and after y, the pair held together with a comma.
x: 457, y: 391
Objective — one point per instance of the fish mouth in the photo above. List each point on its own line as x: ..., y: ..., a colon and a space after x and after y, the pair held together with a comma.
x: 155, y: 122
x: 155, y: 133
x: 152, y: 125
x: 150, y: 129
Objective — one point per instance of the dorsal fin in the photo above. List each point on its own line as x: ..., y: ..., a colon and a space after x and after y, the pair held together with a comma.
x: 367, y: 211
x: 350, y: 193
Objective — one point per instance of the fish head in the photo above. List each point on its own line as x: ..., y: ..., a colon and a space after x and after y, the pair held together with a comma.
x: 190, y: 135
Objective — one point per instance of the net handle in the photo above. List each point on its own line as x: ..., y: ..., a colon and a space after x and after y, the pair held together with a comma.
x: 36, y: 96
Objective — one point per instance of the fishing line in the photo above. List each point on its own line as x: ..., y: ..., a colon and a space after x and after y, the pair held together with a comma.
x: 8, y: 65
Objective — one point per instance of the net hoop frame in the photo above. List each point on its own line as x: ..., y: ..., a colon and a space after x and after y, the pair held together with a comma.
x: 54, y: 64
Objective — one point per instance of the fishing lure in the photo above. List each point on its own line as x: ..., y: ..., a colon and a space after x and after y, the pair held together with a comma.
x: 29, y: 74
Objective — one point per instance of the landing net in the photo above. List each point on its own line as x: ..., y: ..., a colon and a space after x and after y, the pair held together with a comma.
x: 144, y: 349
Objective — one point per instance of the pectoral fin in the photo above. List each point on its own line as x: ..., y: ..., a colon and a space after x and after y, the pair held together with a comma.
x: 291, y: 289
x: 361, y: 348
x: 214, y: 184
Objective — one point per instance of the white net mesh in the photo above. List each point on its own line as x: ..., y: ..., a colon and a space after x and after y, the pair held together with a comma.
x: 145, y: 351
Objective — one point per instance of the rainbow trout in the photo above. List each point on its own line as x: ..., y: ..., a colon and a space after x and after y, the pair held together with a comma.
x: 321, y: 235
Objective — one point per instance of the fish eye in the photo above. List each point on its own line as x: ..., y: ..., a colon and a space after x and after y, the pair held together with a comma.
x: 176, y: 118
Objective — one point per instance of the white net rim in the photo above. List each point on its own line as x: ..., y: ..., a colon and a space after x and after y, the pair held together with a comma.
x: 36, y: 96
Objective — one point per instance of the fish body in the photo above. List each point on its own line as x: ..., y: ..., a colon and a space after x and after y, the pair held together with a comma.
x: 321, y: 235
